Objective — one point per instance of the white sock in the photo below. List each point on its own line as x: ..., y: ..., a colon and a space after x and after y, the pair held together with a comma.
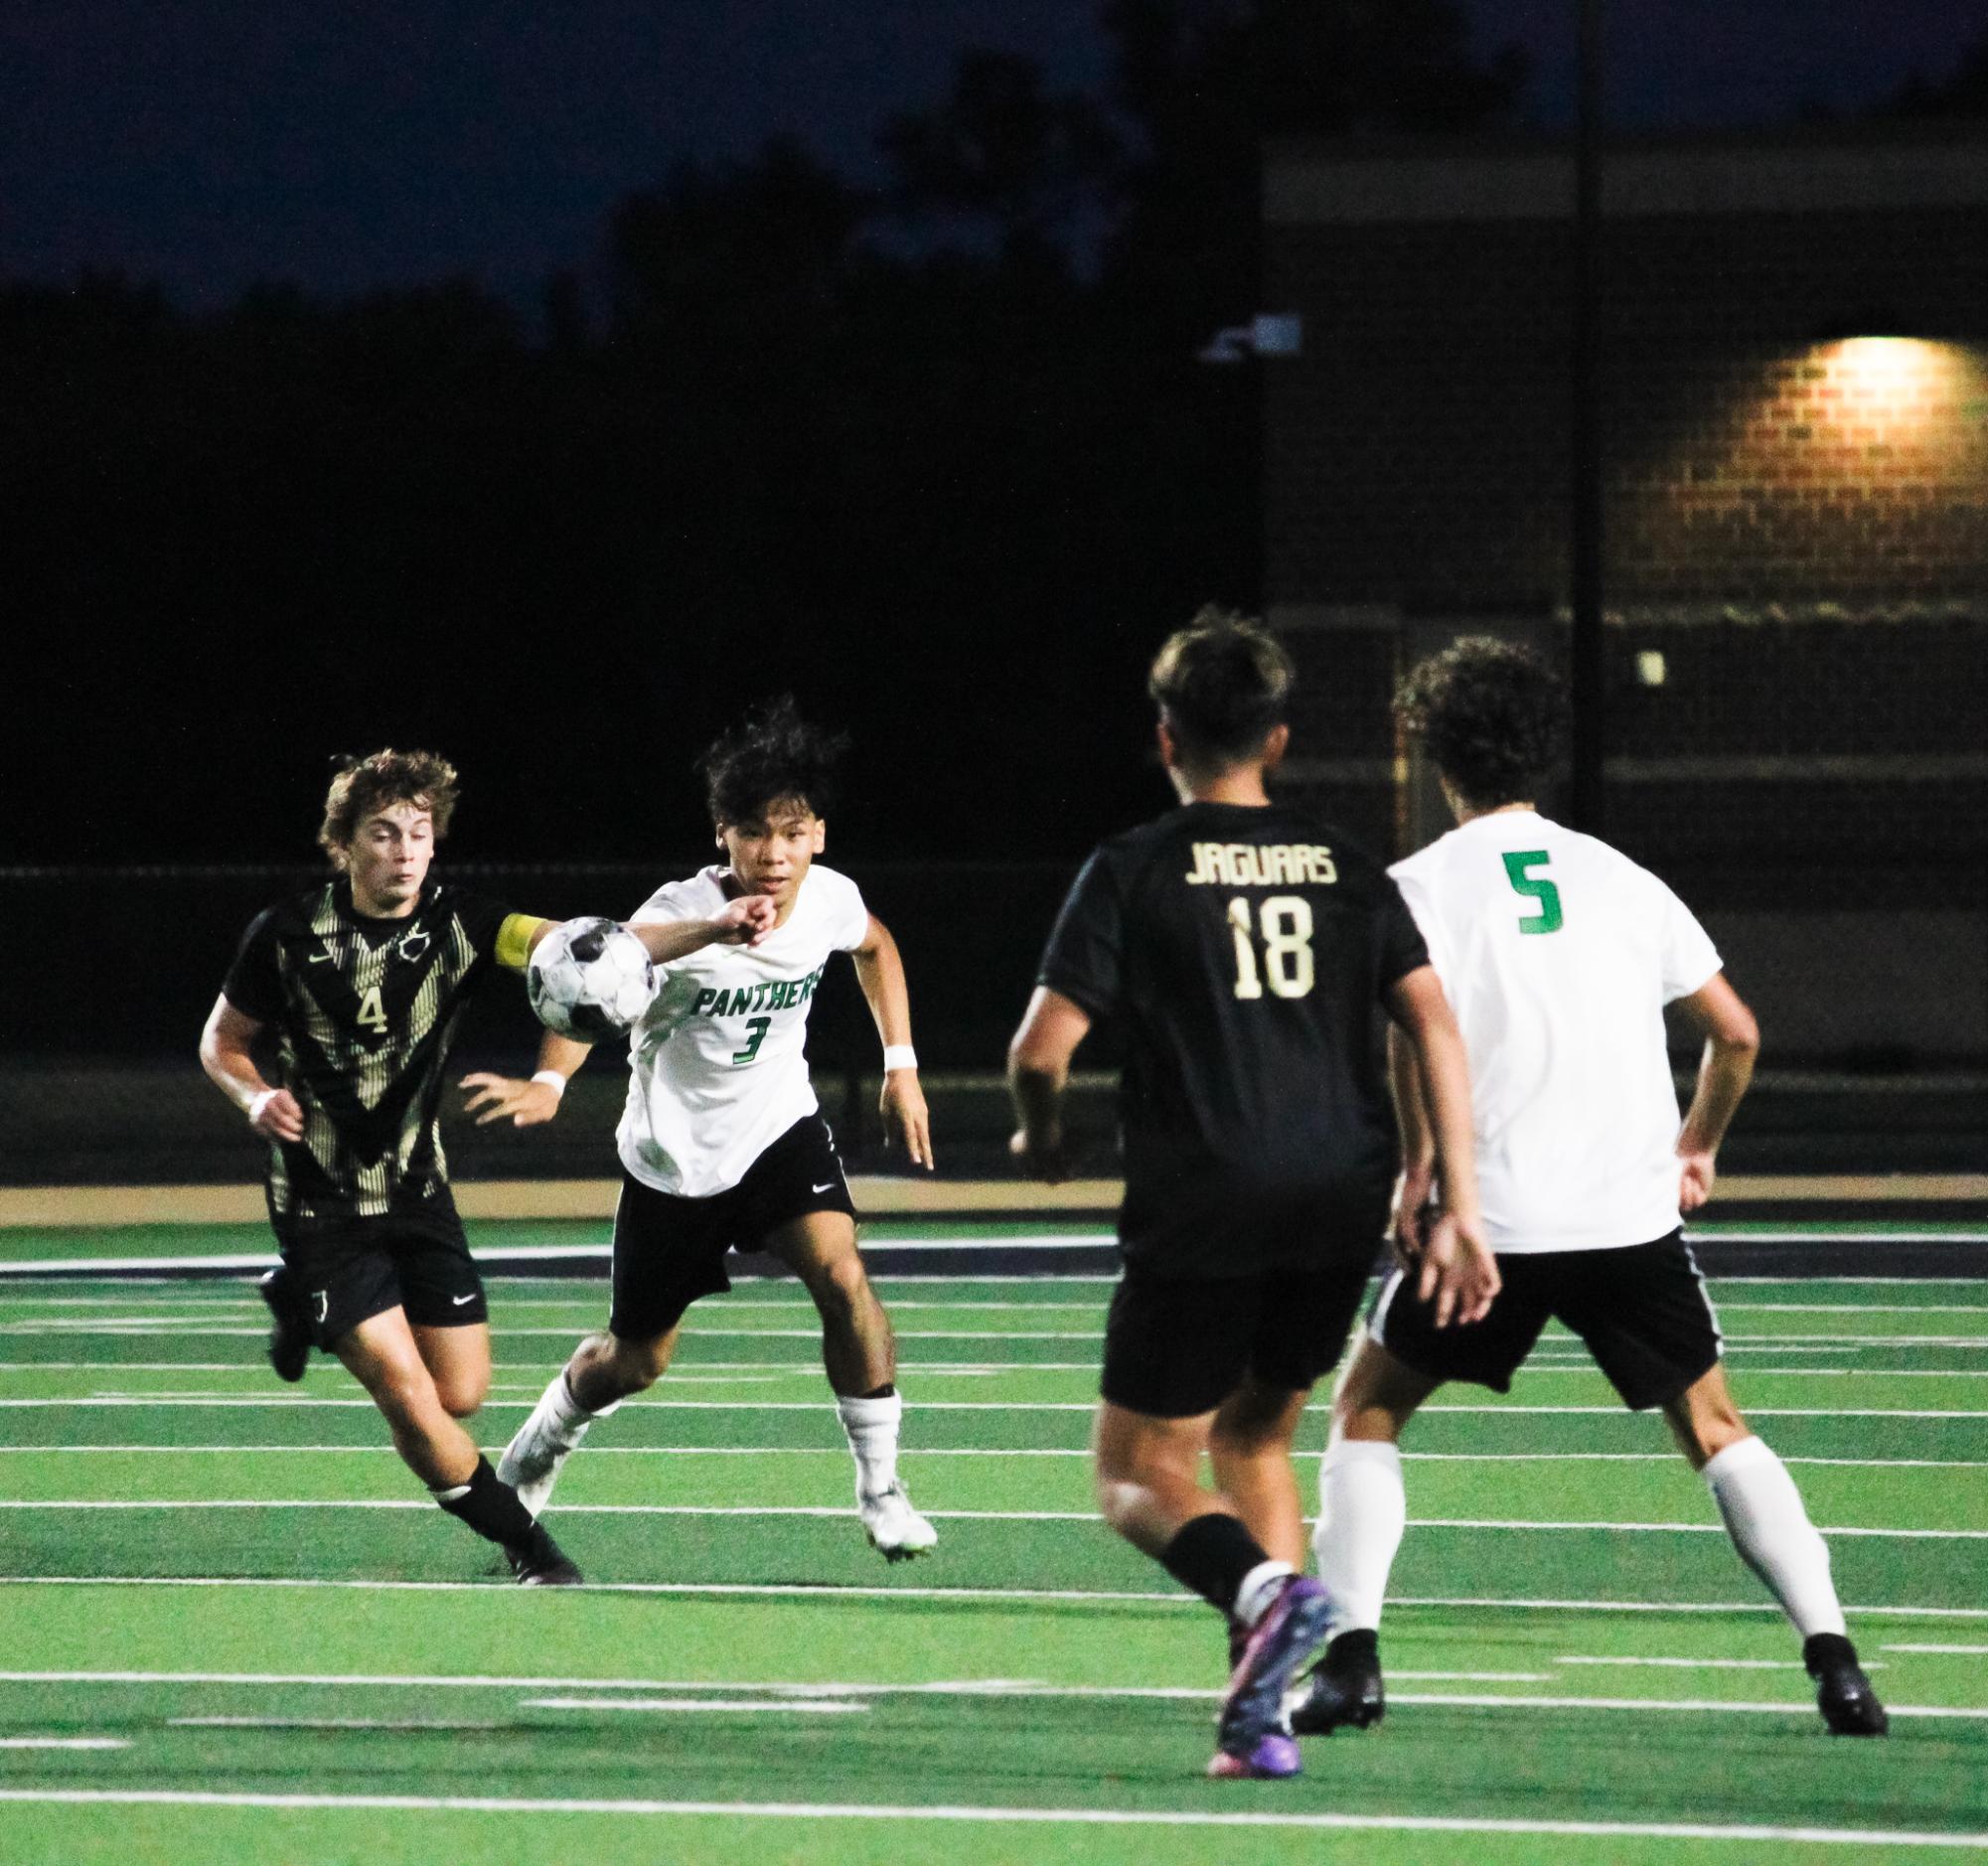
x: 1362, y: 1512
x: 1259, y: 1587
x: 561, y: 1417
x: 871, y: 1428
x: 1770, y: 1527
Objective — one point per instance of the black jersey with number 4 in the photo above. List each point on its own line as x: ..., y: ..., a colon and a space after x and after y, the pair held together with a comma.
x: 1242, y: 952
x: 363, y: 1010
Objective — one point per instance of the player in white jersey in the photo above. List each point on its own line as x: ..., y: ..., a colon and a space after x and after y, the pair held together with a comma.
x: 723, y: 1143
x: 1559, y: 955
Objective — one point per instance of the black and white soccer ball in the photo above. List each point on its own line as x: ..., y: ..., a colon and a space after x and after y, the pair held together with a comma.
x: 589, y: 979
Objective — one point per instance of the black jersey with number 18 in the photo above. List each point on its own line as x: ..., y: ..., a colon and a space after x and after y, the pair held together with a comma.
x: 1244, y: 952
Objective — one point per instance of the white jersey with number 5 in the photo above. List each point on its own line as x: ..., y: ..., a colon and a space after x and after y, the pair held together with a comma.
x: 717, y: 1069
x: 1559, y: 954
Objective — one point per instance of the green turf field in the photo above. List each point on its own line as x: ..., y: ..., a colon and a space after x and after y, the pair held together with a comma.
x: 232, y: 1628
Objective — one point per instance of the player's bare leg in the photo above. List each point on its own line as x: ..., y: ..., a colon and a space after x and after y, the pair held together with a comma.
x: 1362, y: 1512
x: 383, y: 1356
x: 1249, y: 1449
x: 598, y: 1375
x: 859, y: 1350
x: 458, y: 1360
x: 1765, y: 1516
x: 860, y: 1355
x: 1147, y: 1472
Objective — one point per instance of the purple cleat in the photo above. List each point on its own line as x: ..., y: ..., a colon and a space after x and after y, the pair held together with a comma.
x: 1250, y: 1735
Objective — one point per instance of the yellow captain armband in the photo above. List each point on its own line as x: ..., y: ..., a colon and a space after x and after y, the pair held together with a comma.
x: 514, y: 939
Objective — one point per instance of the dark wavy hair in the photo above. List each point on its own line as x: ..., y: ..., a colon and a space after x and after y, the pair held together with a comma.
x: 773, y: 756
x: 1492, y: 715
x: 362, y: 787
x: 1221, y: 684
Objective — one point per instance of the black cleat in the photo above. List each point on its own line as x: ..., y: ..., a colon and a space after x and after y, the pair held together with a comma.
x: 290, y: 1337
x: 1842, y: 1693
x: 1344, y: 1687
x: 541, y: 1563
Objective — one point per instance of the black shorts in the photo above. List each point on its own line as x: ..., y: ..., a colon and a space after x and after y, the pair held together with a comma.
x: 668, y: 1251
x: 348, y: 1270
x: 1642, y: 1312
x: 1177, y: 1347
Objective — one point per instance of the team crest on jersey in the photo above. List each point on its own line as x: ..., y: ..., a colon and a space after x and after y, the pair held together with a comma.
x: 414, y: 944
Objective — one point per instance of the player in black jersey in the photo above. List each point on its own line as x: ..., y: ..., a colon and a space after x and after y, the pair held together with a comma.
x: 353, y: 990
x: 1244, y: 950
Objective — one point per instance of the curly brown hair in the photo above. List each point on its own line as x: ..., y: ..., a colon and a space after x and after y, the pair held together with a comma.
x: 1222, y: 682
x: 362, y: 787
x: 1492, y: 715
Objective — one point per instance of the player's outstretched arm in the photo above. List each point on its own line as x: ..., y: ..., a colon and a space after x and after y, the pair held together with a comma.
x: 1732, y: 1044
x: 880, y: 973
x: 742, y: 922
x: 1038, y: 1075
x: 1458, y: 1271
x: 526, y: 1104
x: 226, y: 1047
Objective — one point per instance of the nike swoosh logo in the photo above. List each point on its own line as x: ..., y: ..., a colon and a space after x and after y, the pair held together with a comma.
x: 829, y: 1187
x: 459, y: 1301
x: 320, y: 959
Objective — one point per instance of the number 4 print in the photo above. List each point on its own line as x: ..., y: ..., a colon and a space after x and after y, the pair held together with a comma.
x: 1549, y: 918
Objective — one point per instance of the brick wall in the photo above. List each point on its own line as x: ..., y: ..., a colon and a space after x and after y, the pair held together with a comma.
x: 1795, y: 523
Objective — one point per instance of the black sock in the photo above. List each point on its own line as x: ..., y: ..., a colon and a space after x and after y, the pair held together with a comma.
x: 490, y: 1506
x: 1212, y: 1555
x: 881, y: 1392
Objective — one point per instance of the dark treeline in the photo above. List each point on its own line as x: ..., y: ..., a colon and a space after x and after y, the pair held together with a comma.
x: 937, y: 455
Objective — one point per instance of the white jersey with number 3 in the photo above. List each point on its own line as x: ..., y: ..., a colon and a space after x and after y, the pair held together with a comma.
x: 718, y: 1065
x: 1558, y: 955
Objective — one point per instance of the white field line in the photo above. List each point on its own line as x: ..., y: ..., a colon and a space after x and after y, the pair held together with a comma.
x: 784, y: 1706
x: 923, y: 1452
x: 935, y: 1406
x: 64, y: 1742
x: 1523, y: 1524
x: 902, y: 1816
x: 1707, y: 1664
x: 842, y: 1695
x: 1963, y: 1651
x: 831, y: 1594
x: 325, y: 1723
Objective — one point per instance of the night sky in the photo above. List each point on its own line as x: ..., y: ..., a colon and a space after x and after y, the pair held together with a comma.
x: 210, y: 143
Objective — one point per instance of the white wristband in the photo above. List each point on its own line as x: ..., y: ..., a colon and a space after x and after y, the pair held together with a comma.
x: 899, y: 1056
x: 258, y: 1102
x: 552, y: 1079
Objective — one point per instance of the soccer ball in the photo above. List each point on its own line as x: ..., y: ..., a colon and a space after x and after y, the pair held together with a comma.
x: 589, y: 980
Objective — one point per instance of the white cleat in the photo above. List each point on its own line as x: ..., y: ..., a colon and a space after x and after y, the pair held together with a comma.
x: 530, y: 1463
x: 896, y: 1531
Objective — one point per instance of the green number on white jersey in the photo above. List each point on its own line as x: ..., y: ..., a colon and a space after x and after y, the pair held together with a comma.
x: 371, y: 1012
x: 1285, y: 926
x: 1549, y: 918
x: 759, y: 1028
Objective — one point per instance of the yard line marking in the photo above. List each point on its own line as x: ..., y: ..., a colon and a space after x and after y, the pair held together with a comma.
x: 840, y: 1452
x: 1960, y: 1652
x: 1706, y: 1665
x: 930, y: 1405
x: 1521, y: 1524
x: 1799, y: 1708
x: 786, y: 1706
x: 64, y: 1742
x: 831, y: 1592
x: 326, y: 1723
x: 1006, y: 1816
x: 788, y: 1690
